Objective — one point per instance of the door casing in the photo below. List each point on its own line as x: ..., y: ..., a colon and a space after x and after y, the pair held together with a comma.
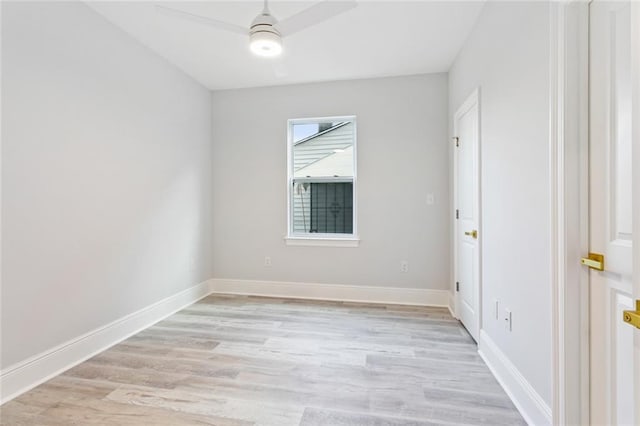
x: 569, y: 160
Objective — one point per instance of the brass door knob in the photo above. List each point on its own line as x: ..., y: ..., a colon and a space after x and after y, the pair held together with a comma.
x: 473, y: 234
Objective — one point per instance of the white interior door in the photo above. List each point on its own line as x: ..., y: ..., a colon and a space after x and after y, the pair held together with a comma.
x: 614, y: 366
x: 467, y: 205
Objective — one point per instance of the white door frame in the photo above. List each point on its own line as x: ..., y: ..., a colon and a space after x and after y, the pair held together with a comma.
x: 568, y: 153
x: 472, y: 100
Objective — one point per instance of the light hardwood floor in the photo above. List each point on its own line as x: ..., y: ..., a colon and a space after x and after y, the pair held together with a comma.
x: 233, y: 360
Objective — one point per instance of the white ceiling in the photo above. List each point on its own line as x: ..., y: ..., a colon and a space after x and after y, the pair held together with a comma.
x: 374, y: 39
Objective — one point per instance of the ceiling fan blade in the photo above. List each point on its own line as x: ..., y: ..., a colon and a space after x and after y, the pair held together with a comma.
x: 313, y: 15
x: 202, y: 20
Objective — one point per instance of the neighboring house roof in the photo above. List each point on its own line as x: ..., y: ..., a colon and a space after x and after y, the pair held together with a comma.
x: 326, y: 153
x: 315, y: 135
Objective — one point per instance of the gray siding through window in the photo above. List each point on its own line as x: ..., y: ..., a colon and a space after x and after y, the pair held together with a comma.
x: 308, y: 151
x: 301, y: 208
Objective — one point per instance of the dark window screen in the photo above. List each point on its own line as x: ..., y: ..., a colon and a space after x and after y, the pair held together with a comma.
x: 332, y: 208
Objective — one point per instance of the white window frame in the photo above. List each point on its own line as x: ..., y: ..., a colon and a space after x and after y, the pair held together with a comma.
x: 318, y: 239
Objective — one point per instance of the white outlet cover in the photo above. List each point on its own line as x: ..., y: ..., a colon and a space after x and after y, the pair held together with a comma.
x: 404, y: 266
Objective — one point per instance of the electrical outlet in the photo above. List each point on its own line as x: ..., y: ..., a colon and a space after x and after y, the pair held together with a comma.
x: 508, y: 325
x: 404, y: 266
x: 496, y: 307
x: 267, y: 261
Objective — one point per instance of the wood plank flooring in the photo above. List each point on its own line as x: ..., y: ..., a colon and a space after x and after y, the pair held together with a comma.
x: 240, y: 361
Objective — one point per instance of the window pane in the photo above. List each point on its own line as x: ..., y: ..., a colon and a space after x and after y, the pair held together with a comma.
x: 325, y: 208
x: 323, y: 149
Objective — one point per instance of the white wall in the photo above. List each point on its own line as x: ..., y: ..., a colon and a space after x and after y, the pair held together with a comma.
x: 507, y: 57
x: 106, y: 176
x: 402, y: 156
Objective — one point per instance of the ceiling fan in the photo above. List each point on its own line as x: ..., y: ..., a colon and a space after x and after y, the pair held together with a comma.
x: 266, y: 32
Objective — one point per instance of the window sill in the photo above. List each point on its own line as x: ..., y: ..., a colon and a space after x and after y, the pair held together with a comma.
x: 322, y: 241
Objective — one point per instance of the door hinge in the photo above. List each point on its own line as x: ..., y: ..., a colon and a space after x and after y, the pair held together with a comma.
x: 457, y: 286
x: 457, y: 214
x: 456, y: 140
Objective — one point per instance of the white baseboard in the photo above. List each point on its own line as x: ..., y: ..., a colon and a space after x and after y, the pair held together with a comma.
x: 530, y: 404
x: 337, y: 292
x: 33, y: 371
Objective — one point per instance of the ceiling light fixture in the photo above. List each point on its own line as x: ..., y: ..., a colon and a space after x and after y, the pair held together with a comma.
x: 264, y: 38
x: 265, y: 44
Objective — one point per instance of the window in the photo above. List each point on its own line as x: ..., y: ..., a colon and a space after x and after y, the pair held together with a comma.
x: 322, y: 178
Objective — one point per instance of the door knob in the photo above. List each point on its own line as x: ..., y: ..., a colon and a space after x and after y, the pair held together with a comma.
x: 594, y: 261
x: 472, y: 234
x: 632, y: 317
